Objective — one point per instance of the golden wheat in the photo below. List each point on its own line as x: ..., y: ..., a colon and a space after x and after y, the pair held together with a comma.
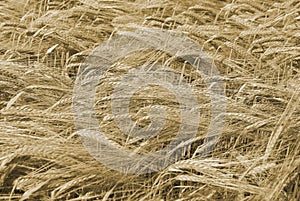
x: 255, y: 47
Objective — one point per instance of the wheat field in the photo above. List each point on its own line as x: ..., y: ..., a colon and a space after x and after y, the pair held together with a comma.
x: 255, y: 46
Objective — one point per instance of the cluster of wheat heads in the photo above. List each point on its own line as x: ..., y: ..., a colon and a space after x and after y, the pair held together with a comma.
x: 255, y: 46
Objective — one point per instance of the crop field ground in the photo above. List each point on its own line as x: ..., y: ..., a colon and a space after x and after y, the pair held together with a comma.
x: 255, y: 46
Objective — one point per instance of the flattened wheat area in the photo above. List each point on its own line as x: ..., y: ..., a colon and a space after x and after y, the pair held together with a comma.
x: 149, y: 100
